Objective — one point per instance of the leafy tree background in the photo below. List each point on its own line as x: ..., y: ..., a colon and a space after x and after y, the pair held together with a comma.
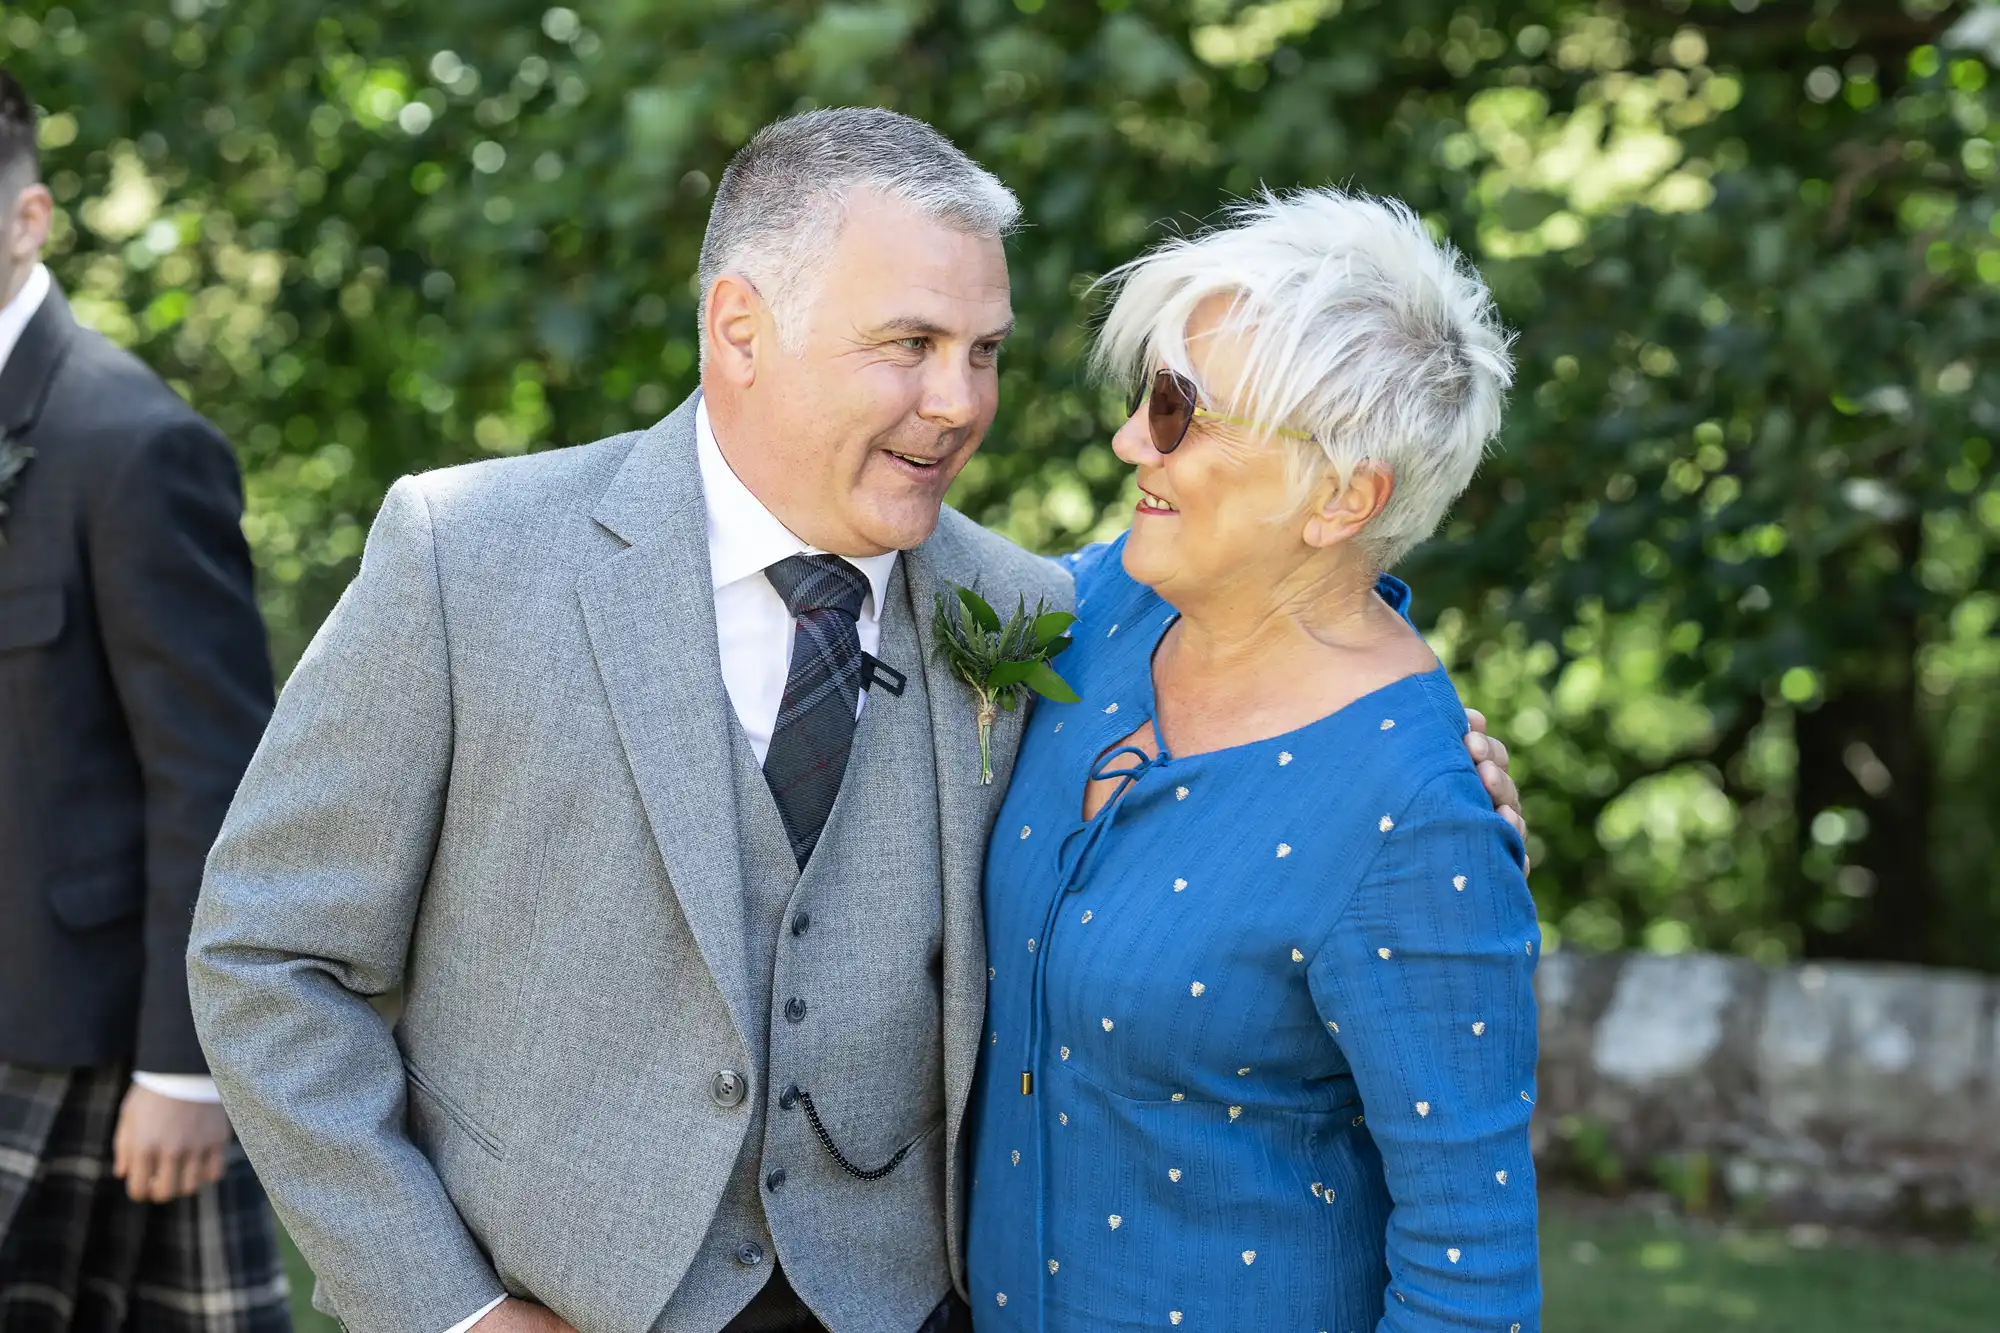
x: 1728, y: 588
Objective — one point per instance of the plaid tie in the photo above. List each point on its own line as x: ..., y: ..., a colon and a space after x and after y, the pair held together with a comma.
x: 815, y: 728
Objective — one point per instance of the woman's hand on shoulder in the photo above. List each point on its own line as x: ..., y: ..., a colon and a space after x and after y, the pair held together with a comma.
x: 1489, y: 756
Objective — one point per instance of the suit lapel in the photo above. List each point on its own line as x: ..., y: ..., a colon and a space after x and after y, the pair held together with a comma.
x: 31, y: 367
x: 650, y: 613
x: 966, y: 810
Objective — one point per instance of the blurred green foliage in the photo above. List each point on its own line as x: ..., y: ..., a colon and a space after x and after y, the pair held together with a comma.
x: 1728, y: 589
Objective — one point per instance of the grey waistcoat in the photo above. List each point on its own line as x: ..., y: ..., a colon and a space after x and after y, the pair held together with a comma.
x: 857, y: 942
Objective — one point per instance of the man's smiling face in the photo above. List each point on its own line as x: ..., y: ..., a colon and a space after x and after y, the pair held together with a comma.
x: 853, y: 442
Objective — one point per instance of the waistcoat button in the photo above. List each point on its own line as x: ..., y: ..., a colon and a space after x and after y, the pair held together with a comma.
x: 749, y: 1254
x: 776, y: 1180
x: 795, y: 1009
x: 789, y: 1097
x: 802, y: 923
x: 729, y: 1088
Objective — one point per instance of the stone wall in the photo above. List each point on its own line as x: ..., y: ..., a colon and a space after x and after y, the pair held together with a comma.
x: 1829, y: 1092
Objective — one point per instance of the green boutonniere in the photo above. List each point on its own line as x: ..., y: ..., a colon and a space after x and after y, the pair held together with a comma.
x: 14, y: 458
x: 1001, y: 662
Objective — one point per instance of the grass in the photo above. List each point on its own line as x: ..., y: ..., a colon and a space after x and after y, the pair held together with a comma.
x: 1616, y: 1268
x: 1609, y: 1269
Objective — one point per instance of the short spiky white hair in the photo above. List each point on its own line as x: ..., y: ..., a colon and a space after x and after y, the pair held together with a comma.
x: 1363, y: 330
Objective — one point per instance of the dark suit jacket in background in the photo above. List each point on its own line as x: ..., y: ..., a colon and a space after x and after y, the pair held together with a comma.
x: 134, y: 684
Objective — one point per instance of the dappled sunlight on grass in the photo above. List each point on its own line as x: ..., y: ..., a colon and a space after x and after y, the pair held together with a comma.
x: 1607, y: 1267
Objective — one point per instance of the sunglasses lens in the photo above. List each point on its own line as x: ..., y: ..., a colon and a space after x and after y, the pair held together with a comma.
x: 1171, y: 409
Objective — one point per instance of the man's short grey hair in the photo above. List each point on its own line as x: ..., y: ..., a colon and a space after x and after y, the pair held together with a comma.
x: 782, y: 201
x: 1379, y: 341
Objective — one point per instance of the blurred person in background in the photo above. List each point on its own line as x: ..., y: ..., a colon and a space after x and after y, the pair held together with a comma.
x: 1263, y: 1050
x: 134, y: 683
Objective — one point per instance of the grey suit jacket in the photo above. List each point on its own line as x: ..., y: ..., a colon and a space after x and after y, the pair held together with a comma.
x: 495, y: 783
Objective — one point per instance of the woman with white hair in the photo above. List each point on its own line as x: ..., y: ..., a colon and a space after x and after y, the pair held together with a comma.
x: 1261, y: 1033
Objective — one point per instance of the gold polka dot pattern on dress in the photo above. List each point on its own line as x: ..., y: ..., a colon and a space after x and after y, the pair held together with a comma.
x: 1332, y: 1026
x: 1298, y: 957
x: 1179, y: 884
x: 1111, y: 710
x: 1113, y: 630
x: 1063, y: 1052
x: 1116, y: 1221
x: 1031, y: 946
x: 1174, y: 1174
x: 1359, y: 1121
x: 1084, y: 920
x: 1235, y: 1111
x: 1001, y: 1297
x: 1458, y: 882
x: 1180, y: 793
x: 1108, y: 1025
x: 1196, y: 988
x: 1479, y: 1029
x: 1062, y: 1117
x: 1058, y: 728
x: 1500, y: 1176
x: 1243, y: 1071
x: 1053, y: 1266
x: 1178, y: 1097
x: 1452, y: 1254
x: 1423, y: 1108
x: 1318, y: 1189
x: 1174, y: 1318
x: 1379, y: 953
x: 1025, y: 831
x: 1388, y: 724
x: 1284, y: 757
x: 992, y: 973
x: 1017, y: 1157
x: 1385, y: 823
x: 1284, y: 850
x: 1249, y: 1256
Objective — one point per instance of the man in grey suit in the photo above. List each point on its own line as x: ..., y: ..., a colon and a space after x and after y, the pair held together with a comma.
x: 690, y: 954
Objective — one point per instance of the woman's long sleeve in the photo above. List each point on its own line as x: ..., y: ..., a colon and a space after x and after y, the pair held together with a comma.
x: 1425, y: 983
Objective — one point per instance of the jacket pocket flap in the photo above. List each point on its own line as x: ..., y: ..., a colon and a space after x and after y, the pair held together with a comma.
x: 429, y: 1091
x: 30, y: 618
x: 95, y: 898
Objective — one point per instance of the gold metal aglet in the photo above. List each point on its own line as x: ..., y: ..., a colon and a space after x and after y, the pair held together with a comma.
x: 1027, y: 1084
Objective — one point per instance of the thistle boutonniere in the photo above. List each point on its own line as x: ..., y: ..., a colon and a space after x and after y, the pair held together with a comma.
x: 1001, y: 662
x: 14, y: 458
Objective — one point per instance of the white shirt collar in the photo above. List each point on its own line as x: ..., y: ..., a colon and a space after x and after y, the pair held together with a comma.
x: 745, y: 538
x: 14, y: 316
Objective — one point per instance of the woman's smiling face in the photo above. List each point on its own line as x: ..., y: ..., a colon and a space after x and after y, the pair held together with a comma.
x: 1222, y: 507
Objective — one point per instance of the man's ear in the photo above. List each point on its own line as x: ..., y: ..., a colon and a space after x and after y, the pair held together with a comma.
x: 28, y: 221
x: 1339, y: 512
x: 735, y: 330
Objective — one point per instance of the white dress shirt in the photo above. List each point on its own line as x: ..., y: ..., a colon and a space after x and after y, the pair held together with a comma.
x: 753, y: 626
x: 14, y: 319
x: 14, y: 316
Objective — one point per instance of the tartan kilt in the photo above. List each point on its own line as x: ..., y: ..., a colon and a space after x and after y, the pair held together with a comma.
x: 77, y: 1255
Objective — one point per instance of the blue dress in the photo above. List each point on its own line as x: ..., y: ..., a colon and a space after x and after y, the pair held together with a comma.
x: 1274, y: 1006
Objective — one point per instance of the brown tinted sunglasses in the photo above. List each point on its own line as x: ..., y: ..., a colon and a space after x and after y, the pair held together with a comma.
x: 1172, y: 404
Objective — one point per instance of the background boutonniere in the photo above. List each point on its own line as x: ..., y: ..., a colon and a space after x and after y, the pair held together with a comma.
x: 1001, y: 662
x: 14, y: 458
